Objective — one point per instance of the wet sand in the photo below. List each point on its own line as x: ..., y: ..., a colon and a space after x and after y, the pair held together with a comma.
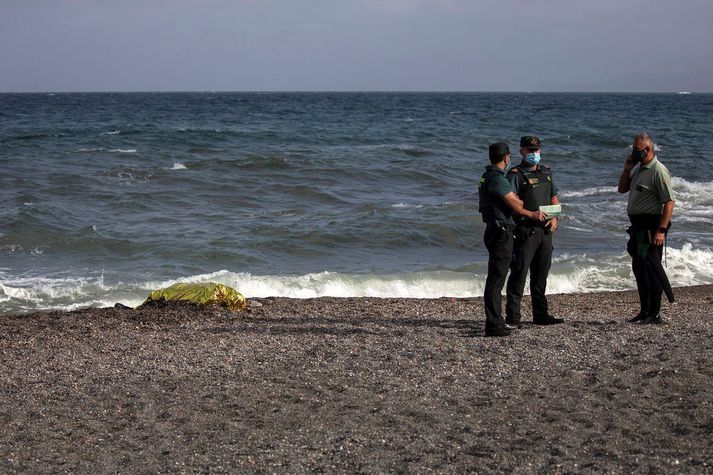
x: 359, y: 385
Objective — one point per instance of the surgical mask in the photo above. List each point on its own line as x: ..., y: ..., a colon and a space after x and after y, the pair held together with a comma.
x: 532, y: 158
x: 638, y: 155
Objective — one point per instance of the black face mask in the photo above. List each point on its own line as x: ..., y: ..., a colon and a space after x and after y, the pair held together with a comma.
x: 638, y: 155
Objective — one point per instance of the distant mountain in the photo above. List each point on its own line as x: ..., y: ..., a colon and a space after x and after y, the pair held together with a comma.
x: 697, y: 81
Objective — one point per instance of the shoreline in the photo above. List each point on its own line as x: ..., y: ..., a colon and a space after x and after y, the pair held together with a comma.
x: 359, y: 385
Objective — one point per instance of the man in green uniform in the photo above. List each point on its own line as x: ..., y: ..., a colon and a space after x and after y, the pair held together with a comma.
x: 532, y: 182
x: 497, y: 203
x: 650, y: 209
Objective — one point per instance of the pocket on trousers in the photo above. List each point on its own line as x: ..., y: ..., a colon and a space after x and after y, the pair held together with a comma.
x: 521, y: 235
x: 496, y: 239
x: 502, y: 235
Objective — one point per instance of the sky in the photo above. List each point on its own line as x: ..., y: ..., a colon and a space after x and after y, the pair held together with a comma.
x: 355, y: 45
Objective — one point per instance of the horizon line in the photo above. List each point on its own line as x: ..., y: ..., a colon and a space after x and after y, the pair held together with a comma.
x: 345, y: 91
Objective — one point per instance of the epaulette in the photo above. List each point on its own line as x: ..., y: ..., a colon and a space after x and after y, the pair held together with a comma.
x: 514, y: 170
x: 545, y: 167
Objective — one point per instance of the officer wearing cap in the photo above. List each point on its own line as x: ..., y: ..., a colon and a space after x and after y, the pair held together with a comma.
x: 497, y: 203
x: 533, y: 184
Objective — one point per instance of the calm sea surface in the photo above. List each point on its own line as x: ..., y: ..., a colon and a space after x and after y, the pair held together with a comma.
x: 104, y: 197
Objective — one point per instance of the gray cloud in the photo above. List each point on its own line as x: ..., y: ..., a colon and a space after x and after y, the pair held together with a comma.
x: 78, y: 45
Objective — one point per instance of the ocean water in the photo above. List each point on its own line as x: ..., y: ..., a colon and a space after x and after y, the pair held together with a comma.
x: 104, y: 197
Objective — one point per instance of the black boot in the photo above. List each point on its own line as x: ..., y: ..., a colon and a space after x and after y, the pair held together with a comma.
x: 639, y: 317
x: 513, y: 322
x: 652, y: 320
x: 547, y: 320
x: 497, y: 331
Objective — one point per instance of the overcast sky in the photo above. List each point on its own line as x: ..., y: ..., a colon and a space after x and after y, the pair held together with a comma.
x: 325, y: 45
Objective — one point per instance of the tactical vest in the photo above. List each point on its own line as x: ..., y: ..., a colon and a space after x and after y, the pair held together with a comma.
x: 534, y: 187
x: 492, y: 208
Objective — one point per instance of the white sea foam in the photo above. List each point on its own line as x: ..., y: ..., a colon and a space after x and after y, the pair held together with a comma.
x: 689, y: 266
x: 113, y: 132
x: 10, y: 248
x: 694, y: 200
x: 695, y: 193
x: 178, y: 166
x: 413, y: 285
x: 123, y: 150
x: 570, y: 273
x: 16, y: 248
x: 578, y: 273
x: 42, y: 293
x: 599, y: 190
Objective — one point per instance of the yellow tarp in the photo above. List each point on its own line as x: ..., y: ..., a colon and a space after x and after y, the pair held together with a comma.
x: 202, y: 294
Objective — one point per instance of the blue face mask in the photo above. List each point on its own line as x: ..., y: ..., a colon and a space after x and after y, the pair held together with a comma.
x: 532, y: 158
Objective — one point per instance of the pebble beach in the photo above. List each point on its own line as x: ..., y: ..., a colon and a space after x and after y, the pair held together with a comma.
x: 358, y: 385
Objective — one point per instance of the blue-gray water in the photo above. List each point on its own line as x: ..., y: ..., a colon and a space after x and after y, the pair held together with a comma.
x: 106, y: 196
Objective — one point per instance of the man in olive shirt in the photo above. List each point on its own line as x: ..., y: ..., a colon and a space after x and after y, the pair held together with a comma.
x: 497, y: 203
x: 650, y: 209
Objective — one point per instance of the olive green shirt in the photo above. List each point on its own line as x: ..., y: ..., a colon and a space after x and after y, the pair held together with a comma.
x: 650, y: 188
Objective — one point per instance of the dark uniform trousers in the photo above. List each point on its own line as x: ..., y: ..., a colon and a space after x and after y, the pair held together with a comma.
x: 650, y: 290
x: 498, y: 240
x: 533, y: 253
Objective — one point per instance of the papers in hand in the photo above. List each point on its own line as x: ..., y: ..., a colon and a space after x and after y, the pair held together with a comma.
x: 552, y: 211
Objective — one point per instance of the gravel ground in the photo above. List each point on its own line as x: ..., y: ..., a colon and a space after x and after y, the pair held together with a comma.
x: 358, y: 385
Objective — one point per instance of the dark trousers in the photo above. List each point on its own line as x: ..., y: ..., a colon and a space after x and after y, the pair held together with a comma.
x: 499, y: 242
x: 533, y: 253
x: 650, y: 290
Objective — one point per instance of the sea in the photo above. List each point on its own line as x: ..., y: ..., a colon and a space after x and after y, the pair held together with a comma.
x: 107, y: 196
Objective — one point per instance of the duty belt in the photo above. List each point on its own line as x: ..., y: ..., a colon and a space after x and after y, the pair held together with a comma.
x: 529, y: 223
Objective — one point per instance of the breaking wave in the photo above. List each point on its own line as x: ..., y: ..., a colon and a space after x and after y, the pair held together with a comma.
x: 577, y: 273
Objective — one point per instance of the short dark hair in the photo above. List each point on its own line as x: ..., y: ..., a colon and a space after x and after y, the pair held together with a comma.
x: 497, y: 151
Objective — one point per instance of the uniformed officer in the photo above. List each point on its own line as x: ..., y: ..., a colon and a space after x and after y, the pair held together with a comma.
x: 650, y: 209
x: 532, y: 182
x: 497, y: 203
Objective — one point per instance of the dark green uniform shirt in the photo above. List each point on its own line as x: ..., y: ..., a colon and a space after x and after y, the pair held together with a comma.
x: 492, y: 188
x: 535, y: 188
